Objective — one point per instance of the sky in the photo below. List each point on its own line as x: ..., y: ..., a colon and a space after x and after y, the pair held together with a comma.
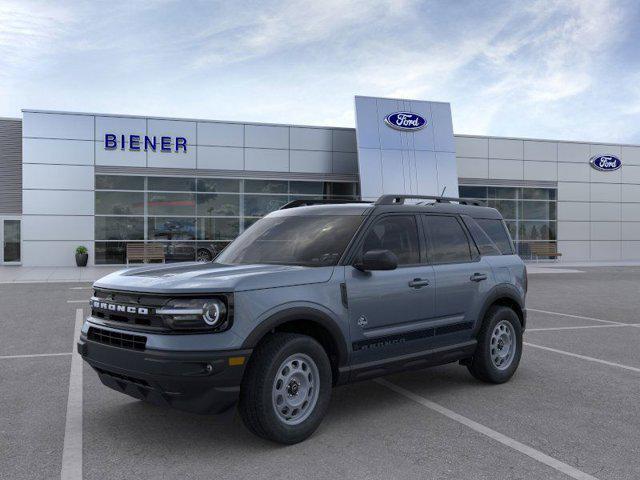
x: 540, y: 69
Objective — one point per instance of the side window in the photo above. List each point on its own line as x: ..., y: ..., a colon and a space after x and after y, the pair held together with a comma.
x: 448, y: 241
x: 485, y: 244
x: 498, y: 233
x: 397, y: 233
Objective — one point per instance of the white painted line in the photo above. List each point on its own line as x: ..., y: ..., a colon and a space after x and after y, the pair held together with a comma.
x: 78, y: 301
x: 576, y: 316
x: 80, y: 288
x: 72, y: 449
x: 7, y: 357
x: 583, y: 357
x: 581, y: 327
x: 497, y: 436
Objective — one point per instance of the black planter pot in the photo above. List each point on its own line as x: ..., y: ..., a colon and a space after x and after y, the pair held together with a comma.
x: 81, y: 259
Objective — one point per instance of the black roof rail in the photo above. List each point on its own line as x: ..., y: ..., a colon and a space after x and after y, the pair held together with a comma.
x: 305, y: 203
x: 399, y: 199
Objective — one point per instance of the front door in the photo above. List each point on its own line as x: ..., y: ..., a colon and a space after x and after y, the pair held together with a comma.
x: 10, y: 240
x: 389, y: 309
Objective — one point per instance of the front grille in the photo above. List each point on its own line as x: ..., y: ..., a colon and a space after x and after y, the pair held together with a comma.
x: 108, y: 305
x: 126, y: 378
x: 117, y: 339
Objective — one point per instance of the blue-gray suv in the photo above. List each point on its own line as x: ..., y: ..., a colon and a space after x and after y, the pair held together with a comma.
x: 314, y: 295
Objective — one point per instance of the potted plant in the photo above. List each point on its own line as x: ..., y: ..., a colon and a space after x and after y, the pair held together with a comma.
x: 82, y: 255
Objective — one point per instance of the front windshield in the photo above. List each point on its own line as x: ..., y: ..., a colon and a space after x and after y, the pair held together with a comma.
x: 312, y: 240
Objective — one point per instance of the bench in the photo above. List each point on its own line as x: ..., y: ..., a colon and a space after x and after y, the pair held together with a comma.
x: 144, y: 253
x: 546, y: 249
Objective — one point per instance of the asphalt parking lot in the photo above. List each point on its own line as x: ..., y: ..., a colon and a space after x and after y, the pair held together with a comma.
x: 571, y: 411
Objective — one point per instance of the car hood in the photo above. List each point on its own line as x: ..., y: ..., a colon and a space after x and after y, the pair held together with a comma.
x: 211, y: 277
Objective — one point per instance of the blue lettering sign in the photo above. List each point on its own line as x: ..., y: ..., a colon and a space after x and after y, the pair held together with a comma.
x: 605, y: 163
x: 181, y: 142
x: 134, y: 142
x: 165, y: 144
x: 146, y: 143
x: 110, y: 142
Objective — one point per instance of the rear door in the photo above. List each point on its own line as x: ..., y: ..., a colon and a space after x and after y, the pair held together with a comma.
x: 462, y: 277
x: 389, y: 311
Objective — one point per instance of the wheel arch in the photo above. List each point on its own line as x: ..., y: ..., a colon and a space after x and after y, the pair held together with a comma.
x: 506, y: 295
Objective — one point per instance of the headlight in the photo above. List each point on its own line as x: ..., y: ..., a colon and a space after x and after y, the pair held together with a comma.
x: 190, y: 314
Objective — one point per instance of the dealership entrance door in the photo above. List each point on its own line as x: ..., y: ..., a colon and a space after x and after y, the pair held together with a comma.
x: 10, y: 240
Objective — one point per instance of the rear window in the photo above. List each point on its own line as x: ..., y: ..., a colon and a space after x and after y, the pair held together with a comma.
x: 497, y: 232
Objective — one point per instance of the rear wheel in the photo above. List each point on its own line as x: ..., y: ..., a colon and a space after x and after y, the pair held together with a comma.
x: 286, y: 390
x: 499, y: 346
x: 204, y: 255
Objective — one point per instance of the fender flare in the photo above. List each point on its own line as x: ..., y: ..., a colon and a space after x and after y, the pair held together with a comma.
x: 503, y: 291
x: 300, y: 313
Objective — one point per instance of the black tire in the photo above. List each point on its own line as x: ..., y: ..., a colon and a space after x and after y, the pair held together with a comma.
x: 257, y: 406
x: 481, y: 365
x: 204, y: 255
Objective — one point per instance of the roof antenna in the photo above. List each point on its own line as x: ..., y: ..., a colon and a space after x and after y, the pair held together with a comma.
x: 443, y: 190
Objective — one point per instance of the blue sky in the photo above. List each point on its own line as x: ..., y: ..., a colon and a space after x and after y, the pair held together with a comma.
x: 545, y: 69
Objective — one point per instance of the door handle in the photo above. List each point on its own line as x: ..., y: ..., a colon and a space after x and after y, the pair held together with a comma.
x: 478, y: 277
x: 418, y: 283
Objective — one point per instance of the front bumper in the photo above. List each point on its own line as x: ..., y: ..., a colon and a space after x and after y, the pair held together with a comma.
x: 199, y: 382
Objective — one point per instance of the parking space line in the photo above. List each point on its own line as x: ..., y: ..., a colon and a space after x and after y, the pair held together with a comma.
x: 583, y: 357
x: 548, y: 329
x: 80, y: 288
x: 78, y: 301
x: 72, y: 448
x: 33, y: 355
x: 497, y: 436
x: 575, y: 316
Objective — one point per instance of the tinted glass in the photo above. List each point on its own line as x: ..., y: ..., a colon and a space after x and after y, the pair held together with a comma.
x: 11, y: 247
x: 448, y: 241
x: 119, y: 228
x: 307, y: 188
x: 168, y: 228
x: 119, y: 182
x: 218, y: 185
x: 265, y: 186
x: 107, y: 253
x: 172, y: 204
x: 213, y: 228
x: 481, y: 238
x: 396, y: 233
x: 502, y: 192
x: 119, y: 203
x: 314, y: 241
x: 172, y: 184
x: 473, y: 192
x: 259, y: 205
x: 339, y: 189
x: 496, y: 231
x: 227, y: 205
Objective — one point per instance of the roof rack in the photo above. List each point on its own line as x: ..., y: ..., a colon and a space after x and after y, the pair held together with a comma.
x: 399, y: 199
x: 305, y: 203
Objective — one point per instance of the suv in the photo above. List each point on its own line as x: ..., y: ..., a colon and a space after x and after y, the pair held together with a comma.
x: 309, y: 297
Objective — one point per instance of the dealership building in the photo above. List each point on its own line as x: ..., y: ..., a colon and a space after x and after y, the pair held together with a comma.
x: 110, y: 182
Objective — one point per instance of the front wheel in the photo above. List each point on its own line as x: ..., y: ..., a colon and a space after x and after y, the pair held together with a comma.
x: 286, y: 390
x: 499, y: 346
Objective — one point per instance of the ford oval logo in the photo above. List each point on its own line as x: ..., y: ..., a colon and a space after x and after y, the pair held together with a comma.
x: 405, y: 121
x: 605, y: 163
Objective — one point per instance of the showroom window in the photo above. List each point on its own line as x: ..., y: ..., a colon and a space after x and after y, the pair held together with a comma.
x: 192, y: 218
x: 530, y: 213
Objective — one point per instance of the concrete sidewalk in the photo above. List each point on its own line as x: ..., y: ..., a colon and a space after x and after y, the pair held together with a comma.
x: 19, y: 274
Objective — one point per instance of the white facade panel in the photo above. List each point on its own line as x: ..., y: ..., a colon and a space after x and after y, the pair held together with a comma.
x: 433, y: 136
x: 57, y: 125
x: 220, y: 158
x: 62, y: 152
x: 310, y: 161
x: 172, y: 159
x: 55, y: 227
x: 52, y: 253
x: 57, y: 177
x: 473, y: 167
x: 630, y: 212
x: 447, y: 174
x: 120, y: 126
x: 573, y: 192
x: 371, y: 184
x: 311, y: 139
x: 605, y: 231
x: 573, y: 231
x: 172, y: 128
x: 631, y: 231
x: 220, y: 134
x: 393, y: 171
x: 119, y: 157
x: 265, y: 136
x: 605, y: 212
x: 573, y: 251
x: 630, y: 174
x: 344, y: 141
x: 605, y: 177
x: 442, y: 127
x: 506, y: 149
x: 57, y: 202
x: 472, y: 147
x: 630, y: 250
x: 506, y: 169
x: 630, y: 193
x: 427, y: 181
x: 630, y: 155
x: 545, y: 151
x: 574, y: 211
x: 266, y: 160
x: 574, y: 172
x: 598, y: 149
x: 606, y: 251
x: 574, y: 152
x: 344, y: 162
x: 602, y: 192
x: 546, y: 171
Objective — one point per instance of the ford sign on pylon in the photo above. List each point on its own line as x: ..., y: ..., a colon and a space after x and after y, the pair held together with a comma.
x: 605, y: 163
x: 405, y: 121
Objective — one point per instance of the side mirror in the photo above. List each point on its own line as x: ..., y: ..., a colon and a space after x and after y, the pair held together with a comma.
x: 377, y: 260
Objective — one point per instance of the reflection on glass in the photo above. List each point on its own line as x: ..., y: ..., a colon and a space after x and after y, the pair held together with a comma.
x: 259, y: 205
x: 214, y: 228
x: 306, y: 188
x: 473, y: 192
x: 11, y: 247
x: 107, y: 253
x: 178, y: 251
x: 119, y: 203
x: 168, y: 228
x: 507, y: 208
x: 265, y: 186
x: 213, y: 185
x: 171, y: 203
x: 502, y: 192
x: 119, y: 182
x: 171, y: 184
x: 119, y: 228
x: 220, y: 204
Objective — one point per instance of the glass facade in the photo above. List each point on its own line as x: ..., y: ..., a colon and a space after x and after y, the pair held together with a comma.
x: 191, y: 217
x: 530, y: 213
